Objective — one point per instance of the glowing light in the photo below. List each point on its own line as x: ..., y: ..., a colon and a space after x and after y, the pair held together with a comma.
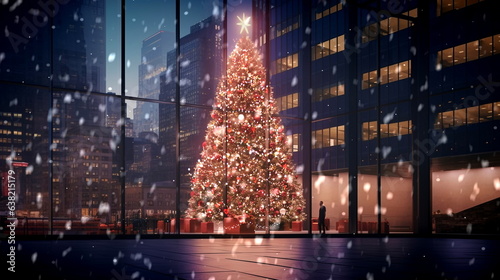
x: 244, y: 23
x: 367, y: 187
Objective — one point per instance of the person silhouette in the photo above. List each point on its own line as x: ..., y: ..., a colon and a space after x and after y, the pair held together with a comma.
x: 321, y: 219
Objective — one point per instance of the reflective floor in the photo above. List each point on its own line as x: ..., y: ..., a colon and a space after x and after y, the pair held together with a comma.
x: 366, y: 258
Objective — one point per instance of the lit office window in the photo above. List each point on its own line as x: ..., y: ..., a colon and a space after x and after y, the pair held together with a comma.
x: 329, y: 137
x: 471, y: 115
x: 469, y: 51
x: 288, y: 101
x: 285, y: 63
x: 444, y: 6
x: 328, y: 92
x: 285, y: 27
x: 388, y: 74
x: 328, y: 47
x: 328, y: 11
x: 369, y: 129
x: 387, y: 26
x: 293, y: 142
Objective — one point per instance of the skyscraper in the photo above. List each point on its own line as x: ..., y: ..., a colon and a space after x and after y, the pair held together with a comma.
x: 153, y: 63
x: 199, y: 74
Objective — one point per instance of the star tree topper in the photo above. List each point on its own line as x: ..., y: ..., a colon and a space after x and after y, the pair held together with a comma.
x: 244, y: 23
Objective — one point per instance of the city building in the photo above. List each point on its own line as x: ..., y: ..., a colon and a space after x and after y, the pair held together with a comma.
x: 200, y: 73
x: 398, y: 99
x: 153, y: 63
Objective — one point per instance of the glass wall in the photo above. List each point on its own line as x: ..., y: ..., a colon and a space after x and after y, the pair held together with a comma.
x: 25, y: 157
x: 109, y: 107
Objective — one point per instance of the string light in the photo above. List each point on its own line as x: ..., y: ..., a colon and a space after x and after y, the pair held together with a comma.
x: 245, y: 149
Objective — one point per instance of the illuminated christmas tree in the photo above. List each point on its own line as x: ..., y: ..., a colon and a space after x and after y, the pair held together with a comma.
x: 246, y: 148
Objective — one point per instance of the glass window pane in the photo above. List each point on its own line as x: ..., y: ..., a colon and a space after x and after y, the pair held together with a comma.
x: 404, y: 127
x: 333, y: 45
x: 384, y: 75
x: 393, y: 73
x: 326, y: 137
x: 332, y: 92
x: 384, y: 130
x: 393, y: 129
x: 340, y: 90
x: 459, y: 4
x: 283, y: 103
x: 413, y: 13
x: 403, y: 23
x: 384, y: 27
x: 23, y: 124
x: 459, y: 54
x: 403, y: 70
x: 326, y: 48
x: 460, y: 117
x: 496, y: 44
x: 446, y: 6
x: 340, y: 43
x: 150, y: 49
x: 317, y: 51
x: 447, y: 58
x: 373, y: 130
x: 472, y: 115
x: 341, y: 134
x: 295, y: 98
x: 447, y: 119
x: 319, y: 139
x: 486, y: 47
x: 472, y: 50
x: 365, y: 131
x: 393, y: 25
x: 296, y: 143
x: 496, y: 110
x: 289, y: 101
x: 366, y: 82
x: 333, y: 136
x: 87, y: 176
x: 439, y: 58
x: 373, y: 78
x: 438, y: 122
x: 485, y: 112
x: 26, y: 58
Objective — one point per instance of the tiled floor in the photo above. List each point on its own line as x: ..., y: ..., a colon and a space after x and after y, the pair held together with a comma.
x: 367, y: 258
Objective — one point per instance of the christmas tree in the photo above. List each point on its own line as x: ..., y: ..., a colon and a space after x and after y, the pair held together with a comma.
x: 246, y: 148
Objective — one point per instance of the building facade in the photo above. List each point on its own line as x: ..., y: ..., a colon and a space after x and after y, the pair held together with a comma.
x: 398, y: 99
